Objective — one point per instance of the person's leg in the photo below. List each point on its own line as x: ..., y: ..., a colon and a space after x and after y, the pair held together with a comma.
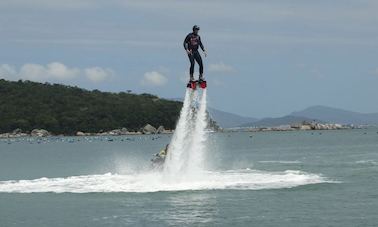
x: 191, y: 69
x: 198, y: 58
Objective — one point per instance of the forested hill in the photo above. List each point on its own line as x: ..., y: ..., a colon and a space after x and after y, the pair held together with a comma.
x: 65, y: 109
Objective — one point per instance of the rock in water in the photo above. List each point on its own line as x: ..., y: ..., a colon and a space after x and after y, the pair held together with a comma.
x: 161, y: 129
x: 149, y: 129
x: 114, y: 132
x: 39, y: 132
x: 305, y: 127
x: 17, y: 131
x: 80, y: 133
x: 124, y: 131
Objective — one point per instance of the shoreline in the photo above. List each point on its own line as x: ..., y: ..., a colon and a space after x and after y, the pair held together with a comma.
x: 23, y: 135
x: 169, y: 132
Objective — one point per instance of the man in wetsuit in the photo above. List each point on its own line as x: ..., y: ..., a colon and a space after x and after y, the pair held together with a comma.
x: 191, y: 43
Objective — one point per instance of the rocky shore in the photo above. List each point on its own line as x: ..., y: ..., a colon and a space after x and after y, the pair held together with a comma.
x: 296, y: 127
x: 147, y: 129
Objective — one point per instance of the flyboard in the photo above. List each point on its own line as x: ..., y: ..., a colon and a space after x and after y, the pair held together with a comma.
x: 197, y: 83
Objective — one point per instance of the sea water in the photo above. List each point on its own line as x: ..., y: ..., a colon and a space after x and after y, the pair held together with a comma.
x: 302, y: 178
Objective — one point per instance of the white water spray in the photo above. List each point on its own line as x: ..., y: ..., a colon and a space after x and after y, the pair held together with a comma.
x: 199, y: 137
x: 187, y: 147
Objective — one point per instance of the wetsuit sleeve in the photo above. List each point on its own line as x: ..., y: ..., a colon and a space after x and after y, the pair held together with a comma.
x: 186, y: 40
x: 200, y: 43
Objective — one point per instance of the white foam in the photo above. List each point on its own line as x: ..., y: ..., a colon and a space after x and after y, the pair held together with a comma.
x: 155, y: 181
x: 281, y: 162
x: 369, y: 162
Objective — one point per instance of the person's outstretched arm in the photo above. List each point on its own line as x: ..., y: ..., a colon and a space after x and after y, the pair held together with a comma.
x: 202, y: 47
x: 200, y: 43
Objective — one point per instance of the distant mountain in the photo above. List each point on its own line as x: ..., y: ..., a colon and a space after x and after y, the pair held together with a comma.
x: 314, y: 113
x: 176, y: 99
x: 271, y: 122
x: 335, y: 115
x: 229, y: 120
x: 225, y: 119
x: 318, y: 114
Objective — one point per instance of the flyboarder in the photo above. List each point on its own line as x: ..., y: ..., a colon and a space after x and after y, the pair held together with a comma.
x: 191, y: 43
x: 159, y: 158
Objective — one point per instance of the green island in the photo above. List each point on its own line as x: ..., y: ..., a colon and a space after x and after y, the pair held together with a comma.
x: 62, y: 109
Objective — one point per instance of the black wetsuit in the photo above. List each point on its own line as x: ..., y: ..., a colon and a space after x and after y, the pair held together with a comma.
x: 191, y: 42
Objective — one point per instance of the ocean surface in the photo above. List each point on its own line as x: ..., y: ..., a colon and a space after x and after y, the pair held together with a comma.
x: 306, y: 178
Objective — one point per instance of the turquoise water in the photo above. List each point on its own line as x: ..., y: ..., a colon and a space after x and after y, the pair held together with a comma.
x: 308, y: 178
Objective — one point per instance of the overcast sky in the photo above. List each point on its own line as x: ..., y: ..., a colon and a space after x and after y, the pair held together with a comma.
x: 265, y: 58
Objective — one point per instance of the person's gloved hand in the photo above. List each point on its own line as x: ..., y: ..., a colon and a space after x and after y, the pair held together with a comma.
x: 189, y: 51
x: 205, y: 53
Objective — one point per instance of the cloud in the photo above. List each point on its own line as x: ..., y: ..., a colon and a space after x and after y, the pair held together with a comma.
x: 354, y: 12
x: 54, y: 71
x: 317, y: 73
x: 97, y: 74
x: 51, y: 4
x: 184, y: 77
x: 311, y: 71
x: 374, y: 72
x: 154, y: 78
x: 217, y: 83
x: 248, y: 23
x: 7, y: 71
x: 221, y: 68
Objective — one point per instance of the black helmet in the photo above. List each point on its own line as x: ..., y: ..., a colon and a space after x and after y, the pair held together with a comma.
x: 196, y: 27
